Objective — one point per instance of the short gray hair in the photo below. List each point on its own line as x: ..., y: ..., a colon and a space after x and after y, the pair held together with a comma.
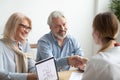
x: 54, y: 14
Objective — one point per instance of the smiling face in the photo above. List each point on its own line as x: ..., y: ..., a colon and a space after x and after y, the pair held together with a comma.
x: 22, y: 30
x: 59, y: 27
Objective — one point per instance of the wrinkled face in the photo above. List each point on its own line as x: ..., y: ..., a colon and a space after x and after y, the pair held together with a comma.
x: 22, y: 31
x: 59, y: 27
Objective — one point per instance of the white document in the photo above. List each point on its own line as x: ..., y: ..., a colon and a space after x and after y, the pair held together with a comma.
x: 76, y: 76
x: 46, y: 69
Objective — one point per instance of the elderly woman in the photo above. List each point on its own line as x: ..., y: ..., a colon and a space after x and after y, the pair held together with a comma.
x: 15, y: 60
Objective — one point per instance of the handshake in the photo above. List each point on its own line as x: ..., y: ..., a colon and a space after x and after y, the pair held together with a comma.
x: 77, y: 61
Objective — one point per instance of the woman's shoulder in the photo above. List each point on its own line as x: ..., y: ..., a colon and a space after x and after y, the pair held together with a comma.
x: 1, y: 43
x: 99, y: 59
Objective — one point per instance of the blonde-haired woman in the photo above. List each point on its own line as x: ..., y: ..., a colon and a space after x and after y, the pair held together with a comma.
x: 105, y: 65
x: 15, y: 58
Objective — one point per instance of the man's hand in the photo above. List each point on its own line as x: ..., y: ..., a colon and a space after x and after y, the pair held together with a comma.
x: 77, y: 61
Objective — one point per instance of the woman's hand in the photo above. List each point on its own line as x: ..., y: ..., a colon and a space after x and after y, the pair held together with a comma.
x: 32, y: 76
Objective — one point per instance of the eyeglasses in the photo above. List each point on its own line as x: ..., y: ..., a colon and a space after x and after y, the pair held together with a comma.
x: 25, y: 27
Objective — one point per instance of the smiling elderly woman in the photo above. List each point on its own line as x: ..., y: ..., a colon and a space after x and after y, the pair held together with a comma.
x: 15, y: 59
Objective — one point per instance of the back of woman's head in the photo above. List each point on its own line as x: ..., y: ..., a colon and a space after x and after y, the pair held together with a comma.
x: 13, y: 22
x: 106, y: 24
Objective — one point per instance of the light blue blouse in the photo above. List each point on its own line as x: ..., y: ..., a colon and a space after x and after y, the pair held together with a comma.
x: 48, y: 47
x: 7, y: 63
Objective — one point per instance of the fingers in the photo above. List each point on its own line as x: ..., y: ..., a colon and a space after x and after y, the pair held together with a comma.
x: 77, y: 61
x: 84, y: 60
x: 73, y: 60
x: 32, y: 76
x: 82, y: 67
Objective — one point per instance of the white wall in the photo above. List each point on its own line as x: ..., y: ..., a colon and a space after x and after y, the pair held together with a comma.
x: 78, y: 12
x: 101, y: 6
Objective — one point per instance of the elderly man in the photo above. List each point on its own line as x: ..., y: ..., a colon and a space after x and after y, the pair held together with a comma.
x: 65, y: 49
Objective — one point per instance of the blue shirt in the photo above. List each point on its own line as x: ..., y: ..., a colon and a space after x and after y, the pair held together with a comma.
x: 7, y: 63
x: 48, y: 47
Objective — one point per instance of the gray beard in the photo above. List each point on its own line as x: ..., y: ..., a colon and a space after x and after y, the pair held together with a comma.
x: 60, y: 37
